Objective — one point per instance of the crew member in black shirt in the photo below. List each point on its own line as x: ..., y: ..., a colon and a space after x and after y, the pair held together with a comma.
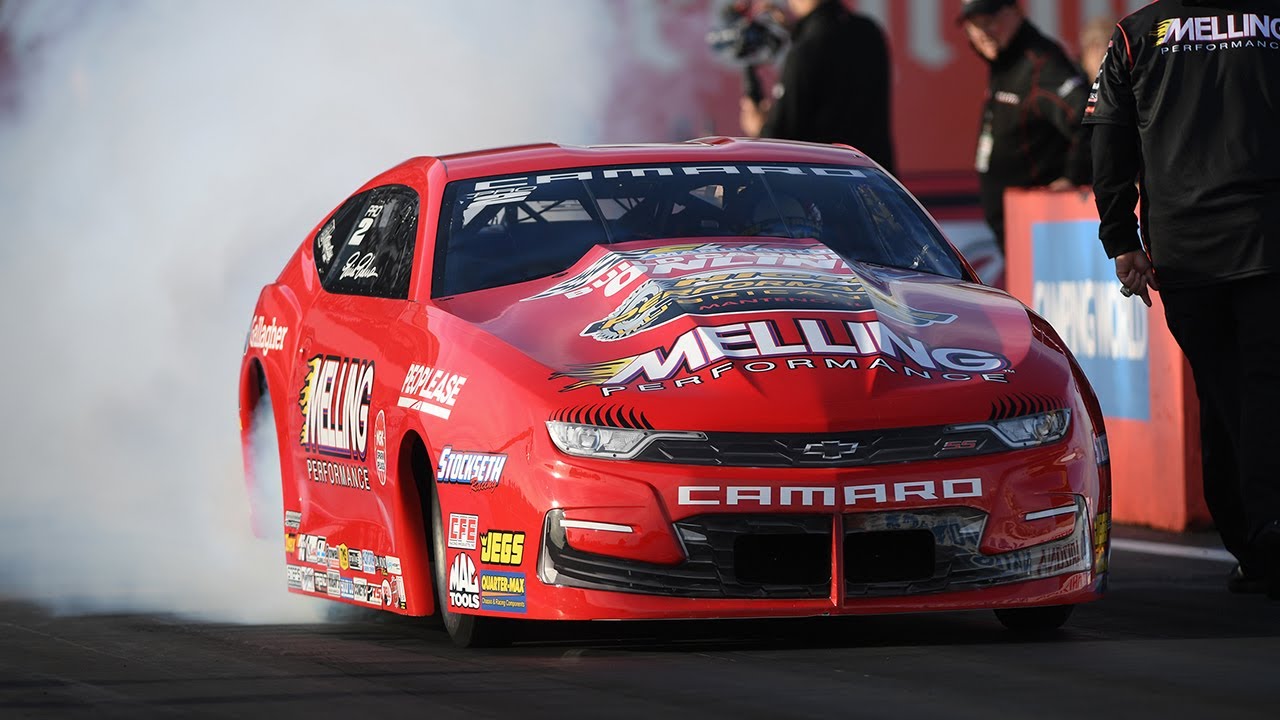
x: 1031, y: 134
x: 834, y: 85
x: 1187, y: 106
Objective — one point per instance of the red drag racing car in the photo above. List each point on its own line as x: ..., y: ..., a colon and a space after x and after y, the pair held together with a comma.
x: 714, y: 379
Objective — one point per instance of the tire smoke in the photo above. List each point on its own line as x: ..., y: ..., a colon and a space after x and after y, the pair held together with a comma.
x: 159, y: 162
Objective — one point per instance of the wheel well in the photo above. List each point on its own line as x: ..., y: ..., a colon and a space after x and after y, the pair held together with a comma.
x: 416, y: 474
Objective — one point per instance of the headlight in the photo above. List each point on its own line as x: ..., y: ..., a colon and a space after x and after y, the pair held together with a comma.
x: 1027, y: 431
x: 608, y: 442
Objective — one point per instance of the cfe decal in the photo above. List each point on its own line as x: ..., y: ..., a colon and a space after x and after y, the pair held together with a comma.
x: 464, y: 588
x: 335, y: 406
x: 658, y: 301
x: 462, y: 531
x: 718, y: 349
x: 501, y: 547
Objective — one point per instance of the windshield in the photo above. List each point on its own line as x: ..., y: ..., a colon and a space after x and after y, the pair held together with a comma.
x: 502, y: 230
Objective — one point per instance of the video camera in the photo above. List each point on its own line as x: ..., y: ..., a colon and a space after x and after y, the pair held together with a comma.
x: 749, y: 34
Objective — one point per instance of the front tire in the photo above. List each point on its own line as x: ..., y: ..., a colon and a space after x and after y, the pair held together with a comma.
x: 1035, y: 620
x: 465, y: 630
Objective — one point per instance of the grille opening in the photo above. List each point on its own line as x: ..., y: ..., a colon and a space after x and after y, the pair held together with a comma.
x: 888, y: 556
x: 782, y: 558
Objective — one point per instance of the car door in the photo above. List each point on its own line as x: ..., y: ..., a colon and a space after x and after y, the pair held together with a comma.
x: 352, y: 358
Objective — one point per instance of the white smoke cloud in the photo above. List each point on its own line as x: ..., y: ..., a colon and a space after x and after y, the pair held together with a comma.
x: 163, y: 161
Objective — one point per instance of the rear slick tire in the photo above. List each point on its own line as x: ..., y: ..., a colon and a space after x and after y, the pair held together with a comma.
x: 1035, y: 620
x: 466, y: 631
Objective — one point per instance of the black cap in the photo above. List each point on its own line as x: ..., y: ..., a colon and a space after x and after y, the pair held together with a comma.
x: 982, y: 7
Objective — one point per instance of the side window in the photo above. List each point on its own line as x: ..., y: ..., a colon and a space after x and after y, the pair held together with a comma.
x: 366, y: 248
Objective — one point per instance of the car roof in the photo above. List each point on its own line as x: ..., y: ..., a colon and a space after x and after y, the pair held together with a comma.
x: 530, y: 158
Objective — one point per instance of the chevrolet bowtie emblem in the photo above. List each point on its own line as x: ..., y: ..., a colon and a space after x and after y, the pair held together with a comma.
x: 830, y: 450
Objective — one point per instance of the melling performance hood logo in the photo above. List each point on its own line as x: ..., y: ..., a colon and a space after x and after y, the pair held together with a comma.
x: 335, y: 406
x: 661, y: 300
x: 706, y: 353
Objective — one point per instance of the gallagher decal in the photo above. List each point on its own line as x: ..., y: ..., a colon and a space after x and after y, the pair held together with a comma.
x: 715, y: 348
x: 335, y: 406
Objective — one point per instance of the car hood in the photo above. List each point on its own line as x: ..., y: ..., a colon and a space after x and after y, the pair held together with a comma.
x: 789, y: 335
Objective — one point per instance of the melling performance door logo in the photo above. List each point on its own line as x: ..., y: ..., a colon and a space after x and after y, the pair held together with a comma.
x: 707, y: 353
x: 660, y: 300
x: 334, y: 401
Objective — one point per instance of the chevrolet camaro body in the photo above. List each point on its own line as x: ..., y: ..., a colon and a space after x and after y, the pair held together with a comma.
x: 713, y: 379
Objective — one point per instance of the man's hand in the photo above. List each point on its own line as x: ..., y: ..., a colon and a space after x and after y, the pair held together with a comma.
x: 750, y: 117
x: 1135, y: 273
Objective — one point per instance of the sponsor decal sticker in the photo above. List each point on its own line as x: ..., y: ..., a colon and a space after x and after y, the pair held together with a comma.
x: 292, y: 519
x: 333, y: 584
x: 851, y: 495
x: 344, y: 558
x: 464, y: 587
x: 392, y: 564
x: 380, y: 447
x: 290, y: 543
x: 369, y: 561
x: 353, y: 559
x: 501, y: 547
x: 462, y: 531
x: 334, y: 401
x: 1101, y: 542
x: 430, y: 390
x: 293, y: 574
x: 706, y: 353
x: 348, y: 588
x: 309, y: 579
x: 321, y: 582
x: 266, y: 337
x: 482, y: 471
x: 360, y: 589
x: 502, y: 591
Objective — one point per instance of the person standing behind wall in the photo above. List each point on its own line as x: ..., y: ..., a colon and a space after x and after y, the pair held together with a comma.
x: 1188, y: 105
x: 834, y: 85
x: 1031, y: 134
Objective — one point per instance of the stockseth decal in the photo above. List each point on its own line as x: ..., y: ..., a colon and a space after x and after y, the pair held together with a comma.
x: 380, y: 447
x: 501, y: 547
x: 482, y: 471
x: 464, y: 589
x: 462, y: 531
x: 431, y: 391
x: 715, y: 347
x: 825, y: 496
x: 266, y: 337
x: 502, y: 591
x: 335, y: 406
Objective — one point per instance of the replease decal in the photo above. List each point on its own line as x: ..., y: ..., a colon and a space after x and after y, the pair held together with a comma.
x: 335, y: 406
x: 430, y: 390
x: 715, y: 348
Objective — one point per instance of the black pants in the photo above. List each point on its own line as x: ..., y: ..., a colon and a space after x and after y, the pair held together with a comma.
x: 1230, y: 333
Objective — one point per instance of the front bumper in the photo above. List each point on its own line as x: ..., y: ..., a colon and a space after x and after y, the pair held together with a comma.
x: 841, y: 557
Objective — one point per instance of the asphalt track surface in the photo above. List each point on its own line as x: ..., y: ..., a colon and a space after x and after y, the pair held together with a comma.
x: 1168, y: 642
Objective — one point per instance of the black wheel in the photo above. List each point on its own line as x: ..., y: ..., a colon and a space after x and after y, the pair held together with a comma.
x: 464, y: 630
x: 1035, y: 620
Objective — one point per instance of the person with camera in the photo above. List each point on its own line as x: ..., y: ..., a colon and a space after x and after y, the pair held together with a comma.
x: 834, y: 84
